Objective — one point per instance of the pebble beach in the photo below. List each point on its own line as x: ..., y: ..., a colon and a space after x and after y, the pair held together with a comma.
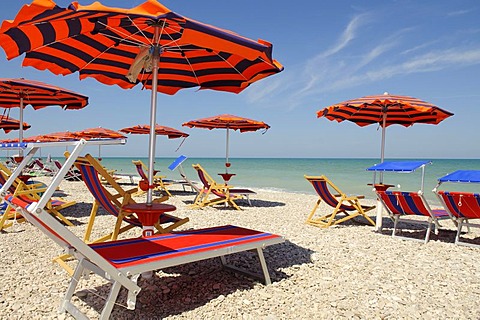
x: 343, y: 272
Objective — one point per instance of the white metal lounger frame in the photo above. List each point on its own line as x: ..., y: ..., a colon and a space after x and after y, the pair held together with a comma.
x: 89, y: 259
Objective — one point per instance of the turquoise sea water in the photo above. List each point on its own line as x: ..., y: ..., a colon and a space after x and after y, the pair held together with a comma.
x: 288, y: 174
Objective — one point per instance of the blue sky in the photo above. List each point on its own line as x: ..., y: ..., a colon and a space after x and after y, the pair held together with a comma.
x: 332, y: 51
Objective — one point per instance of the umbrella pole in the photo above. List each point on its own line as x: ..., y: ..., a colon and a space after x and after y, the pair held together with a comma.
x: 20, y: 133
x: 153, y: 114
x: 226, y: 156
x: 379, y: 209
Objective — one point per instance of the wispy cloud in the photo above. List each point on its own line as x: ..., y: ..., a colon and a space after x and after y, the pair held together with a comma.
x: 458, y: 13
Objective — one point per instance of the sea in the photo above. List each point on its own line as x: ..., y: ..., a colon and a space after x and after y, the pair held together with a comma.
x: 287, y: 174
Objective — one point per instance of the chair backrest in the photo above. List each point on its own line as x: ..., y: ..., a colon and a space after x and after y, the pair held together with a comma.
x: 405, y: 202
x: 461, y: 204
x: 204, y: 177
x: 18, y: 187
x: 322, y: 186
x: 91, y: 170
x: 139, y: 165
x: 57, y: 164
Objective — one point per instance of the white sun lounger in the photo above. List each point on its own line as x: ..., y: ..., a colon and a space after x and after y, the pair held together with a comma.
x: 122, y: 262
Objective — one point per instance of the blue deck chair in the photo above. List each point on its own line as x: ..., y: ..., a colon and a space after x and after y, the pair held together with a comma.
x: 341, y: 203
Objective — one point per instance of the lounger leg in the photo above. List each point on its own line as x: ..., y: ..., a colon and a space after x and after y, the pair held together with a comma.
x: 66, y: 304
x: 395, y: 223
x: 263, y: 263
x: 266, y: 276
x: 429, y: 229
x: 248, y: 199
x: 459, y: 230
x: 112, y: 298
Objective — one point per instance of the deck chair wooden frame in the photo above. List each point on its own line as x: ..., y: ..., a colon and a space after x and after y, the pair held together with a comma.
x: 223, y: 194
x: 29, y: 193
x: 93, y: 175
x: 158, y: 180
x: 403, y: 204
x: 113, y: 200
x: 122, y: 262
x: 341, y: 203
x: 462, y: 207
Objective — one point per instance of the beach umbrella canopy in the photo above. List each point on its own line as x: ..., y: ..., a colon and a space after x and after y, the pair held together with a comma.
x: 170, y: 132
x: 227, y: 121
x: 148, y: 44
x: 19, y: 93
x: 98, y: 133
x: 8, y: 124
x: 385, y: 110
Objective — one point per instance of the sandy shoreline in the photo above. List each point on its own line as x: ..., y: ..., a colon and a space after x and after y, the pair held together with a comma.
x: 348, y: 271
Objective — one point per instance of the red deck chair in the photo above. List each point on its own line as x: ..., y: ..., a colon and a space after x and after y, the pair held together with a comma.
x: 400, y: 204
x: 462, y: 207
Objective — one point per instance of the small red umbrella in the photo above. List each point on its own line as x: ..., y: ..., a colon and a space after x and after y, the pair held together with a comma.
x: 170, y: 132
x: 8, y: 124
x: 98, y: 133
x: 227, y: 121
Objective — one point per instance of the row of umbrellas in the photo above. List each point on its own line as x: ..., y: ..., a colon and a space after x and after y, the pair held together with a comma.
x: 158, y: 49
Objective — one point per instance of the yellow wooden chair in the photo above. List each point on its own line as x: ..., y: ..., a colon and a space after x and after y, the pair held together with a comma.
x: 29, y: 193
x: 158, y: 180
x: 223, y: 194
x: 340, y: 202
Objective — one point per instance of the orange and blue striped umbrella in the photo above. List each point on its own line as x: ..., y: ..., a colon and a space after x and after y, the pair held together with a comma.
x: 170, y: 132
x: 385, y: 110
x: 148, y: 45
x: 227, y: 121
x: 8, y: 124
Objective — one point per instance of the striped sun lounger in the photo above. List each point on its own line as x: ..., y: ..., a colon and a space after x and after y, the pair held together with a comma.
x: 123, y: 261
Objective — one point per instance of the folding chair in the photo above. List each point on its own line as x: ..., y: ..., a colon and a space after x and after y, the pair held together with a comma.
x: 121, y: 262
x: 113, y: 200
x: 158, y: 181
x: 72, y: 174
x: 463, y: 207
x: 400, y: 204
x: 29, y: 193
x: 225, y: 194
x: 340, y: 202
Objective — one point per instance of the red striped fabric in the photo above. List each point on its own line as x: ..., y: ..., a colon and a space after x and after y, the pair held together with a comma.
x: 102, y: 42
x: 38, y: 94
x: 227, y: 121
x: 8, y: 124
x: 402, y: 110
x: 172, y: 133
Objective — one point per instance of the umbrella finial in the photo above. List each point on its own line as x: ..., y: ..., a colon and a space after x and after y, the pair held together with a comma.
x: 386, y: 93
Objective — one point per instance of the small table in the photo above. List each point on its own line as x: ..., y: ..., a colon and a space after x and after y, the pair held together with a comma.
x: 226, y: 176
x: 381, y: 186
x: 148, y: 214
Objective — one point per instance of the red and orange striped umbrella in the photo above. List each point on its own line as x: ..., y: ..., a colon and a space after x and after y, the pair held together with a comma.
x: 385, y: 110
x: 227, y: 121
x: 148, y: 44
x: 8, y: 124
x: 19, y: 93
x: 170, y: 132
